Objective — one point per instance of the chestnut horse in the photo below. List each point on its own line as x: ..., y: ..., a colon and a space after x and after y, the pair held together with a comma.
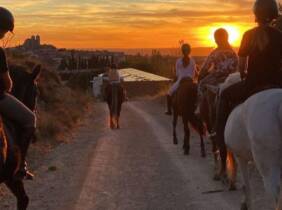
x: 115, y: 97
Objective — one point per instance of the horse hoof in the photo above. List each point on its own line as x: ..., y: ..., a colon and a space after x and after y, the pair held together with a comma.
x: 224, y: 180
x: 216, y: 177
x: 186, y: 152
x: 203, y: 155
x: 23, y: 203
x: 232, y: 187
x: 244, y: 206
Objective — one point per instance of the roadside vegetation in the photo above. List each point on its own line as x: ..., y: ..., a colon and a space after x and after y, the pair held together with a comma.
x: 60, y: 107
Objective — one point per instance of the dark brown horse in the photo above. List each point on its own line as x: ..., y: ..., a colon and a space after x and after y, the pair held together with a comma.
x: 115, y: 97
x: 25, y: 89
x: 207, y: 108
x: 184, y: 105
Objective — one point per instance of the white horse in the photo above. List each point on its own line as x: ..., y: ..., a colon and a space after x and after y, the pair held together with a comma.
x: 254, y: 133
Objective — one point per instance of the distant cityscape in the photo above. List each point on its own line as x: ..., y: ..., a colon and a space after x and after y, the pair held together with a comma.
x: 66, y: 59
x: 80, y: 59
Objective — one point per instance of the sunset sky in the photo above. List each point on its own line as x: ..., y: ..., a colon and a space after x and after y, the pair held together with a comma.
x: 128, y: 23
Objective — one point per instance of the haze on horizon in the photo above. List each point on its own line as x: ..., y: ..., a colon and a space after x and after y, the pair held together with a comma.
x: 128, y: 23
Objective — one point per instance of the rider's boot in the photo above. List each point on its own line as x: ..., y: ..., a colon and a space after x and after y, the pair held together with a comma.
x: 169, y: 105
x: 24, y: 143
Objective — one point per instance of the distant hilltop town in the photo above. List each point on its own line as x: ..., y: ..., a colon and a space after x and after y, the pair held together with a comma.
x: 32, y: 43
x: 67, y: 59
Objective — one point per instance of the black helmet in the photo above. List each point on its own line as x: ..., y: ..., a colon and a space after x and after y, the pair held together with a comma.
x: 266, y: 10
x: 6, y: 20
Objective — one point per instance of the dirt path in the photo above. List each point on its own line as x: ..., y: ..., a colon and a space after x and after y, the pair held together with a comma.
x: 134, y: 168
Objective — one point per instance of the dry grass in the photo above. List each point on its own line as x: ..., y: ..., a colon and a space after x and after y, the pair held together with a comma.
x: 59, y: 110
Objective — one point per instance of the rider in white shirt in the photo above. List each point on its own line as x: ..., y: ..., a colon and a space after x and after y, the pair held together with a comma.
x: 185, y: 68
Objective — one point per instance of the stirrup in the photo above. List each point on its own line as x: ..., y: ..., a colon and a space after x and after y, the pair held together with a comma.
x: 23, y: 175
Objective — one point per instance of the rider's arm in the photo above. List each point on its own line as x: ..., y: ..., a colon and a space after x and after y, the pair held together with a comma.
x: 176, y: 70
x: 4, y: 72
x: 206, y: 66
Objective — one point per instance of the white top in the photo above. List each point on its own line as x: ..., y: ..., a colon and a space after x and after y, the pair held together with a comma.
x: 183, y: 72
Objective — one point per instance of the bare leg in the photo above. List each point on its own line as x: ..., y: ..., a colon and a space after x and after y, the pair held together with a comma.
x: 17, y: 188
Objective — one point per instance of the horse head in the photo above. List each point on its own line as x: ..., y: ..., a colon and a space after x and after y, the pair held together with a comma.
x: 25, y: 84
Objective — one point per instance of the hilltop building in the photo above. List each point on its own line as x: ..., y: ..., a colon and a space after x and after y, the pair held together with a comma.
x: 32, y: 43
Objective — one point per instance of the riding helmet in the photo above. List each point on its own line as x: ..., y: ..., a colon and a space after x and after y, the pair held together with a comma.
x: 266, y: 10
x: 7, y: 21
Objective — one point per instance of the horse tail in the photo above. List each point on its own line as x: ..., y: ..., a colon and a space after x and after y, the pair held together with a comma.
x: 231, y: 167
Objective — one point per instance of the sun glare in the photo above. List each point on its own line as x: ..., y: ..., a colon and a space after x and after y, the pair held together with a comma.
x: 235, y: 34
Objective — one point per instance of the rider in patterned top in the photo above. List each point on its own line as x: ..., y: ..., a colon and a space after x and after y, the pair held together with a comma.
x: 220, y: 63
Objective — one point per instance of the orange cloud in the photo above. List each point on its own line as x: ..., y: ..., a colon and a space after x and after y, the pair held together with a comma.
x: 126, y: 23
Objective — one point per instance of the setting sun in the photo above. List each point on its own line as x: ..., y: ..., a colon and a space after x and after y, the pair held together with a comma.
x: 235, y: 33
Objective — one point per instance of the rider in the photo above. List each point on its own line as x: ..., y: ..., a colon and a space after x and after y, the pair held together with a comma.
x: 10, y: 107
x: 260, y: 55
x: 114, y: 76
x: 220, y: 63
x: 185, y: 68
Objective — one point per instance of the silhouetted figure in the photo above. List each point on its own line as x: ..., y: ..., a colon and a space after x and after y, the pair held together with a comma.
x: 260, y: 56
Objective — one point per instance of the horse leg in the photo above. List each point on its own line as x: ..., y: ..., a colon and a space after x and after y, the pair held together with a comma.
x: 203, y: 149
x: 111, y: 116
x: 246, y: 203
x: 215, y: 153
x: 175, y: 118
x: 199, y: 126
x: 118, y: 127
x: 186, y: 145
x: 17, y: 188
x: 223, y: 158
x: 268, y: 164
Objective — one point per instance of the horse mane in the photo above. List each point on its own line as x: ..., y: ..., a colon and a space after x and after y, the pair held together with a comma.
x: 230, y: 80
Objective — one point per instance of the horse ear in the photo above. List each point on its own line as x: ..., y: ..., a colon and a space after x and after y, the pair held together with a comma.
x: 36, y: 72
